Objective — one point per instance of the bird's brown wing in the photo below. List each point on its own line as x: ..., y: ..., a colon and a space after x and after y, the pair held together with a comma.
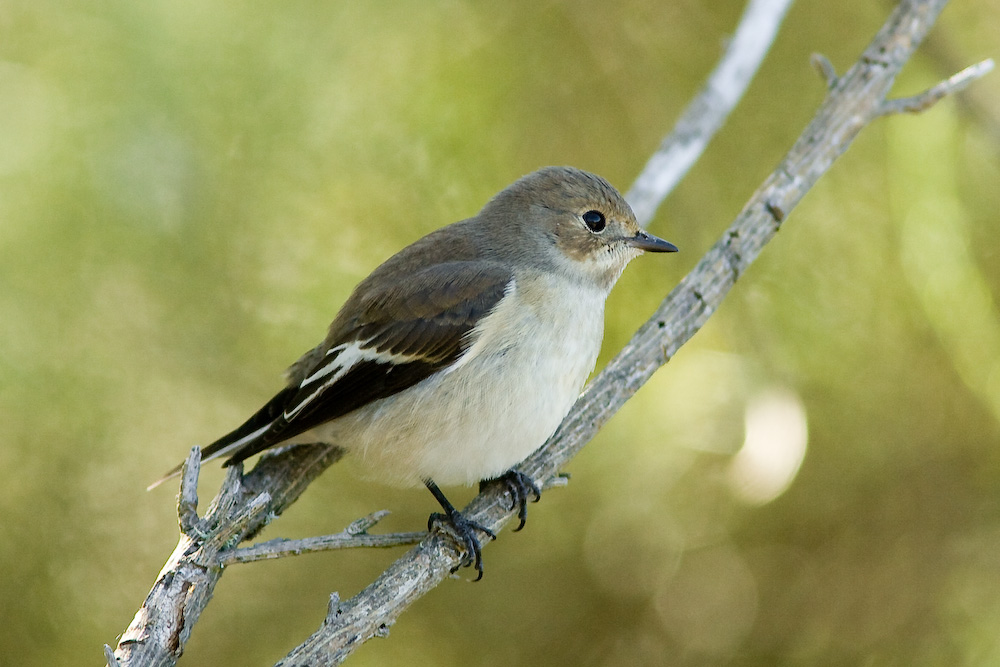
x: 384, y: 341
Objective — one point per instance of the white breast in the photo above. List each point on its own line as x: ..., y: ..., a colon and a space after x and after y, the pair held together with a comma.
x: 496, y: 405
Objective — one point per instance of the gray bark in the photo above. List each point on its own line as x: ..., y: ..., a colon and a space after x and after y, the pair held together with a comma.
x: 163, y: 624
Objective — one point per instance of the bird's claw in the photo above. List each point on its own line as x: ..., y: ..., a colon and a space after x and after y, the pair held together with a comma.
x: 520, y: 487
x: 465, y: 532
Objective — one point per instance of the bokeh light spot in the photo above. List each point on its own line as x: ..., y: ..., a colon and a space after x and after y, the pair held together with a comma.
x: 775, y: 444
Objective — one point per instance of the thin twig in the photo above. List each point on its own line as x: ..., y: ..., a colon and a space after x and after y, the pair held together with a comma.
x: 160, y: 628
x: 855, y: 101
x: 975, y: 103
x: 825, y: 69
x: 926, y: 99
x: 187, y: 499
x: 162, y: 625
x: 354, y: 536
x: 709, y: 109
x: 281, y: 547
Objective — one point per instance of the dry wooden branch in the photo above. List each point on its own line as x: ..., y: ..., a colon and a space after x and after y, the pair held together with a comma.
x: 950, y: 86
x: 161, y: 627
x: 709, y: 109
x: 354, y: 536
x: 246, y: 504
x: 853, y: 101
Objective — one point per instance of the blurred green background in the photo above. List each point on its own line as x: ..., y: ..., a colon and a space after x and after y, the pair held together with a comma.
x: 189, y: 190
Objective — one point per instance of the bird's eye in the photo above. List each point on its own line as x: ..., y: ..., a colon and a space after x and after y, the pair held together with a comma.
x: 594, y: 220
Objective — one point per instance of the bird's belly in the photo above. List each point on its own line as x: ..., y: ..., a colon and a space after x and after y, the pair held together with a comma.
x: 483, y: 417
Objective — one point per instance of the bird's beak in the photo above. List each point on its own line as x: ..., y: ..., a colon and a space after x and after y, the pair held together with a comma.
x: 650, y: 243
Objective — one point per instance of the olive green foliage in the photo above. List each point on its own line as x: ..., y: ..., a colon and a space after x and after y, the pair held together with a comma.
x: 189, y: 190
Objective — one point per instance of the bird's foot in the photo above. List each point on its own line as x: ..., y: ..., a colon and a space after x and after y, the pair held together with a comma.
x: 520, y: 487
x: 465, y: 532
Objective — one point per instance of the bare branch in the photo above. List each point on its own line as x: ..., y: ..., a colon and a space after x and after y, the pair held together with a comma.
x: 162, y: 626
x: 355, y: 535
x: 825, y: 69
x: 973, y: 102
x: 187, y: 499
x: 709, y: 109
x: 365, y: 523
x: 951, y: 85
x: 851, y: 104
x: 160, y: 629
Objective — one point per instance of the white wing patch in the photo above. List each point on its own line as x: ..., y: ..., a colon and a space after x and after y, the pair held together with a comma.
x: 344, y: 358
x: 327, y: 368
x: 341, y: 359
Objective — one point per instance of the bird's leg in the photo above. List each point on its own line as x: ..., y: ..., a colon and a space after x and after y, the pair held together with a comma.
x: 520, y: 487
x: 464, y: 528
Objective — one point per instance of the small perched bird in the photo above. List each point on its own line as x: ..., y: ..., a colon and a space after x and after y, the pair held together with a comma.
x: 461, y: 354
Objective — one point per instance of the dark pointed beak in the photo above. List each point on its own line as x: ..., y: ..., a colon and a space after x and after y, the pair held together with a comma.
x: 650, y: 243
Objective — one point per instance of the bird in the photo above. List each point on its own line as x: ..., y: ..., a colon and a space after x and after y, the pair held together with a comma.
x: 460, y: 355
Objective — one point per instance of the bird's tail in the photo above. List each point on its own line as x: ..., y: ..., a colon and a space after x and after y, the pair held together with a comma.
x: 249, y: 437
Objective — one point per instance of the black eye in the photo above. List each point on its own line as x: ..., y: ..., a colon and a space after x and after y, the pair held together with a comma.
x: 594, y: 220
